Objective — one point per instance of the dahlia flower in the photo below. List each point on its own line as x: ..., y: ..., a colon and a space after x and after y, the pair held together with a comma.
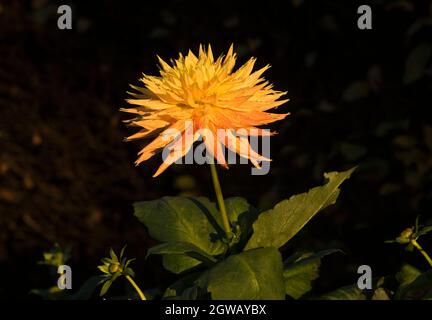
x: 195, y: 97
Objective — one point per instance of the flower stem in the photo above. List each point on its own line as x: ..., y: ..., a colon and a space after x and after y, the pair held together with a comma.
x: 138, y: 290
x: 220, y: 200
x: 424, y: 253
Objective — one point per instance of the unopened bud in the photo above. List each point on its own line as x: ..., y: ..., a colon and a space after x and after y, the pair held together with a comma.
x: 407, y: 233
x: 113, y: 268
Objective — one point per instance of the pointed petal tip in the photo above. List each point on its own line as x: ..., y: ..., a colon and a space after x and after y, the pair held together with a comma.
x: 225, y: 166
x: 161, y: 169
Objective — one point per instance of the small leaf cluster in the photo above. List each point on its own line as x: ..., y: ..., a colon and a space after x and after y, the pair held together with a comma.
x: 114, y: 267
x: 408, y: 235
x: 56, y: 256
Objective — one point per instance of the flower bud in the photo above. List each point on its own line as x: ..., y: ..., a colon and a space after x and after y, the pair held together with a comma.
x: 407, y: 233
x: 113, y: 268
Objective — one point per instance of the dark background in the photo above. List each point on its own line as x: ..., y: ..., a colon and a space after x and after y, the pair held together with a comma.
x: 358, y: 97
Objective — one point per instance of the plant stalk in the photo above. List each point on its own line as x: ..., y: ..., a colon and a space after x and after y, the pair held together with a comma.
x: 138, y: 290
x: 424, y: 253
x: 220, y: 200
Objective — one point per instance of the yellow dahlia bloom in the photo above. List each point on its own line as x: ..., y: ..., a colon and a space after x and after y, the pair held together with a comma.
x: 197, y: 95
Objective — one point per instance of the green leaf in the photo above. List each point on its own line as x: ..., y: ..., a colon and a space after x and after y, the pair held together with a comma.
x: 122, y: 251
x: 380, y: 294
x: 113, y: 255
x: 235, y: 206
x: 178, y: 263
x: 424, y: 230
x: 107, y: 283
x: 184, y: 289
x: 275, y: 227
x: 105, y: 287
x: 87, y: 289
x: 414, y: 285
x: 406, y: 275
x: 183, y: 219
x: 251, y: 275
x: 302, y: 271
x: 345, y: 293
x: 182, y: 248
x: 242, y: 215
x: 104, y: 268
x: 128, y: 262
x: 128, y: 272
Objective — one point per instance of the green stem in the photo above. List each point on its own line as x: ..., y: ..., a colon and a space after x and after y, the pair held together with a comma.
x: 138, y: 290
x: 424, y: 253
x: 220, y: 200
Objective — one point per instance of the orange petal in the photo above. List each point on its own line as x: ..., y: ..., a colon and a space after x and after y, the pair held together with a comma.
x: 241, y: 146
x: 178, y: 149
x: 213, y: 146
x: 162, y: 140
